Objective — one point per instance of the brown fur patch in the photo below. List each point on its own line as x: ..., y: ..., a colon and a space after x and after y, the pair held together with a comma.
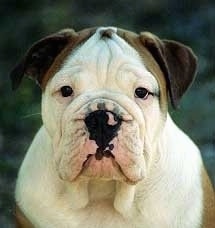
x: 76, y: 40
x: 208, y: 220
x: 21, y: 220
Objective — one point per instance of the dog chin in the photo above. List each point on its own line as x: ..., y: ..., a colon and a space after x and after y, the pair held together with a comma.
x: 105, y: 169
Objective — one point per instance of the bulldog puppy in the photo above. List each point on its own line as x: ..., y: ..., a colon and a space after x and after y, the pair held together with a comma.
x: 108, y: 153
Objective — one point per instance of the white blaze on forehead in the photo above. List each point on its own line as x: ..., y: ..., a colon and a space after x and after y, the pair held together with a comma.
x: 104, y: 46
x: 103, y: 56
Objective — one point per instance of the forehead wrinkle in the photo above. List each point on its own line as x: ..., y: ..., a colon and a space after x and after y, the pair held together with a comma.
x: 91, y: 57
x: 104, y: 58
x: 132, y: 61
x: 103, y: 61
x: 63, y: 76
x: 117, y: 57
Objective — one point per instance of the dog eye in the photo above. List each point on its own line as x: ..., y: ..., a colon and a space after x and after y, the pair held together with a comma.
x: 66, y: 91
x: 142, y: 93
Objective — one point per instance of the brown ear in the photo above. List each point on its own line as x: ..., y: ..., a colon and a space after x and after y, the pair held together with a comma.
x: 177, y: 62
x: 40, y: 56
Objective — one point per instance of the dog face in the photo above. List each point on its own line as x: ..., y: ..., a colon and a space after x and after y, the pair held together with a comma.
x: 104, y: 98
x: 102, y: 122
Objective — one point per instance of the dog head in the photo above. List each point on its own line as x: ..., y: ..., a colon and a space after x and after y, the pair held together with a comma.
x: 105, y: 97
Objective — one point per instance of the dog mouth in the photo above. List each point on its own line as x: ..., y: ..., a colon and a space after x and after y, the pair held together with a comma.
x: 122, y: 159
x: 102, y: 165
x: 103, y: 126
x: 97, y: 156
x: 112, y: 163
x: 100, y: 154
x: 105, y: 144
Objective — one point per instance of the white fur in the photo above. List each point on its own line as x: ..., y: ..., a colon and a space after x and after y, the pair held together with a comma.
x: 169, y: 195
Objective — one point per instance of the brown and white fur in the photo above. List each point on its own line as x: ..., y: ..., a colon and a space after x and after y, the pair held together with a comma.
x: 156, y: 178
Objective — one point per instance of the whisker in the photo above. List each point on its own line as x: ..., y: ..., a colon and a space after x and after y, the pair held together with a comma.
x: 30, y: 115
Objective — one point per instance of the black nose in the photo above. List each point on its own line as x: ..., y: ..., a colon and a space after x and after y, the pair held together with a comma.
x: 102, y: 126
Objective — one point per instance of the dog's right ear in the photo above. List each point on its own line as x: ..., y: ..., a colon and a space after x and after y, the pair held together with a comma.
x: 41, y: 55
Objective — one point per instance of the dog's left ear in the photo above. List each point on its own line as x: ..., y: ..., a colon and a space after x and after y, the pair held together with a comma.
x: 177, y: 62
x: 40, y: 56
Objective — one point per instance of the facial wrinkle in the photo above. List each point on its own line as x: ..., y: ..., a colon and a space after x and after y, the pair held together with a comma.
x: 116, y: 59
x: 119, y: 59
x: 102, y: 62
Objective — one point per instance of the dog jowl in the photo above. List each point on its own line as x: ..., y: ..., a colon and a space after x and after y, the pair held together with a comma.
x: 108, y: 152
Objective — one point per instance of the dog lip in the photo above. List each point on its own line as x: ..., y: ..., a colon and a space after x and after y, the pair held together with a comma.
x: 89, y: 157
x: 80, y: 117
x: 86, y: 160
x: 127, y: 117
x: 106, y: 153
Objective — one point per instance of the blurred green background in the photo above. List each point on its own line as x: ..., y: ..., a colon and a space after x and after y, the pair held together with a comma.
x: 24, y: 22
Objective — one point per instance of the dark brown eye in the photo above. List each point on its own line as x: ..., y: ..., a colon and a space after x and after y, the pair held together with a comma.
x: 141, y: 92
x: 66, y: 91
